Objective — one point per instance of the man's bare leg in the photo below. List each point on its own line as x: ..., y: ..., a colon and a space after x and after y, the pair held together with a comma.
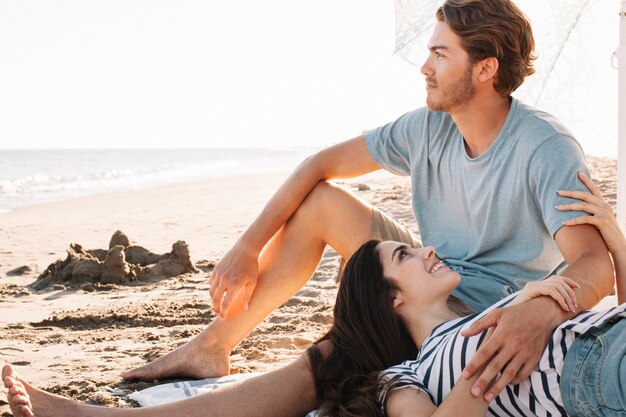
x: 285, y: 392
x: 329, y: 215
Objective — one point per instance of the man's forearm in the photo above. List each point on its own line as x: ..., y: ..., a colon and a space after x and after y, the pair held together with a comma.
x: 344, y: 160
x: 595, y: 277
x: 281, y: 206
x: 596, y: 282
x: 594, y: 273
x: 589, y: 263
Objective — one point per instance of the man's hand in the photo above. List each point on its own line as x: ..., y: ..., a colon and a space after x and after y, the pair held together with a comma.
x: 520, y: 335
x: 233, y: 281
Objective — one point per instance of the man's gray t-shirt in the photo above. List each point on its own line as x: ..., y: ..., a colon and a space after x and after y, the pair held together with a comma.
x: 493, y: 218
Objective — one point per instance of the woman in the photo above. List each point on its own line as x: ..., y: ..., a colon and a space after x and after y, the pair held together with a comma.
x: 415, y: 285
x: 376, y: 326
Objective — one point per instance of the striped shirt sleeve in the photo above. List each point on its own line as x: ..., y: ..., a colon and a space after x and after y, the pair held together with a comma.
x: 398, y: 377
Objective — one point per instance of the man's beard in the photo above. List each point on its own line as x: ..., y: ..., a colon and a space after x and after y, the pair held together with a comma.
x: 454, y: 95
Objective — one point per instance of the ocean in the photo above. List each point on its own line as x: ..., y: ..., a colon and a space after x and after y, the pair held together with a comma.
x: 36, y: 176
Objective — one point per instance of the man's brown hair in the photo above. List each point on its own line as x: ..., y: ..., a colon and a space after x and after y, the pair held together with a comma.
x: 493, y: 28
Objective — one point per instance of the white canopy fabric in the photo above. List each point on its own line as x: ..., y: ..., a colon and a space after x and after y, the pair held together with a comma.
x: 621, y: 161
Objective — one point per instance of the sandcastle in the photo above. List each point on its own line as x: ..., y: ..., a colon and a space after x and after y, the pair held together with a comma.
x: 122, y: 264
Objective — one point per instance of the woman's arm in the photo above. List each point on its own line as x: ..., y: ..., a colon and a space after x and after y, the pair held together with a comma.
x: 408, y: 402
x: 559, y: 288
x: 602, y: 217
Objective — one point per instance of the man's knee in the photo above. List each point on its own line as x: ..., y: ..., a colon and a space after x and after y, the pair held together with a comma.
x: 335, y: 216
x: 320, y: 200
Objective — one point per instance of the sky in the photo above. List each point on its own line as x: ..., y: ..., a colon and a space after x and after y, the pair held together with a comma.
x: 247, y: 73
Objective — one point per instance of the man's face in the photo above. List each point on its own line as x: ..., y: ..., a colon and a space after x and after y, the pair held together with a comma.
x: 448, y: 71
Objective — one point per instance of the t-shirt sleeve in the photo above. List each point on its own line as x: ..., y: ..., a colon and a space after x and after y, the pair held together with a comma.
x: 391, y: 145
x: 554, y: 166
x: 395, y: 378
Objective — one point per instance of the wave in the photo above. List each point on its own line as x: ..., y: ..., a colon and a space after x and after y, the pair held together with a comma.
x: 28, y: 177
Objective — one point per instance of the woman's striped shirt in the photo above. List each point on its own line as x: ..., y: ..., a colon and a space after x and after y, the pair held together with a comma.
x: 445, y: 353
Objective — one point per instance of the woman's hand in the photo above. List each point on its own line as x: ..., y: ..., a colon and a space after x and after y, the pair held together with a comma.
x: 560, y: 289
x: 601, y: 214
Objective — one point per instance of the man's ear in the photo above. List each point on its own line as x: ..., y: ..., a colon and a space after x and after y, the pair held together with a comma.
x: 487, y: 69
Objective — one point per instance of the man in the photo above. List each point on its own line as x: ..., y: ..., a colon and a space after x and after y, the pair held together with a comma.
x: 485, y: 173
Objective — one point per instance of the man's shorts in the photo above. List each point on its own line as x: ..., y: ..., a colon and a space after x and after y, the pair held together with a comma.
x: 384, y: 227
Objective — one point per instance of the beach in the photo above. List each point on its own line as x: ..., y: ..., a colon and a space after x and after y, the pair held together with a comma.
x: 75, y: 340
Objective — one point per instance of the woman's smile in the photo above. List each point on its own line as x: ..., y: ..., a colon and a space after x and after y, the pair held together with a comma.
x: 437, y: 266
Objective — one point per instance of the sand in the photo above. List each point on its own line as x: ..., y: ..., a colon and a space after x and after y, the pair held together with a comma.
x: 74, y: 339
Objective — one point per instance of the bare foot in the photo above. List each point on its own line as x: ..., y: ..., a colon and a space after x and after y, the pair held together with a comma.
x: 194, y: 359
x: 28, y: 401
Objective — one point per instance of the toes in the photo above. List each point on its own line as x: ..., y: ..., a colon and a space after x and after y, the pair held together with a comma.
x: 145, y: 372
x: 127, y: 375
x: 7, y: 370
x: 132, y: 373
x: 17, y: 389
x: 20, y: 405
x: 23, y: 411
x: 10, y: 376
x: 21, y: 399
x: 9, y: 382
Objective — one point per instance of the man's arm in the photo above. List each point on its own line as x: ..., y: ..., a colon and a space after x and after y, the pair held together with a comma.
x: 589, y: 263
x: 601, y: 215
x: 237, y: 272
x: 521, y: 332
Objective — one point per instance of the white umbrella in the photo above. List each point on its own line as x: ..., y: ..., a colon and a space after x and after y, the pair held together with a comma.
x: 621, y: 160
x: 574, y: 79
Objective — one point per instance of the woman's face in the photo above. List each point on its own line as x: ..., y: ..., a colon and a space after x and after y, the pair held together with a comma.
x: 420, y: 276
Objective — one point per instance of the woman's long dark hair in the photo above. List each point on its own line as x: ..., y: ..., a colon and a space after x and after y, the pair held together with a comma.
x: 367, y: 336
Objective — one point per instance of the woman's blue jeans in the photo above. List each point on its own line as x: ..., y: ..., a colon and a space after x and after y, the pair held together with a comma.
x: 593, y: 382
